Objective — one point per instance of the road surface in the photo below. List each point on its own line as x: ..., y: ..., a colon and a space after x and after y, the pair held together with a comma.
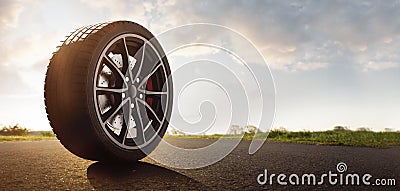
x: 47, y: 165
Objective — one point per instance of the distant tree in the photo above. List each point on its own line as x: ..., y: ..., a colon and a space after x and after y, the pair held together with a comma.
x: 15, y: 130
x: 340, y: 128
x: 364, y: 129
x: 175, y: 132
x: 250, y: 129
x: 282, y: 129
x: 235, y: 130
x: 388, y: 130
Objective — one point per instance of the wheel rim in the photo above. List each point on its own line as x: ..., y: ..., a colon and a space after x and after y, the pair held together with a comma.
x: 131, y: 91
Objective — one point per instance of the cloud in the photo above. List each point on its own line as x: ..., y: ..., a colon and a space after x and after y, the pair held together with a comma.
x: 142, y: 12
x: 292, y: 36
x: 376, y: 66
x: 289, y: 33
x: 9, y: 11
x: 301, y: 66
x: 11, y: 82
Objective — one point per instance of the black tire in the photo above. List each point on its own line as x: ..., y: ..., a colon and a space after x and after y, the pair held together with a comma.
x: 108, y: 92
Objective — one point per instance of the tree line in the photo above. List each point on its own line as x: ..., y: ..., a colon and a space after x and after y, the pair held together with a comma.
x: 14, y: 130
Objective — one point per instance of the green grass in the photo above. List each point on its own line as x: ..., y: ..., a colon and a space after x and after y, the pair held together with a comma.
x: 343, y: 137
x: 335, y: 137
x: 25, y: 138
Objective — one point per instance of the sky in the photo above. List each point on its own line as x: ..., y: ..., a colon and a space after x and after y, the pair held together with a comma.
x: 333, y: 62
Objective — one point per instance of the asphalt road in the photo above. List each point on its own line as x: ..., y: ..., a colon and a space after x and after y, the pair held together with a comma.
x: 47, y: 165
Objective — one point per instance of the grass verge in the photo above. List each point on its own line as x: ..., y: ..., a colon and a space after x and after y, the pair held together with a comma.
x: 342, y: 137
x: 345, y: 138
x: 25, y: 138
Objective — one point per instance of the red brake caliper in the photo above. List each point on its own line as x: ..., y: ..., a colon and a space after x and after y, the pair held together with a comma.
x: 149, y: 86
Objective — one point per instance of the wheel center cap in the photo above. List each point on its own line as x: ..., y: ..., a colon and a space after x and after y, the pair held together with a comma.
x: 133, y: 91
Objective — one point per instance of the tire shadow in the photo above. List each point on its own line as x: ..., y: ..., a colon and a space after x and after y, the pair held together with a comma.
x: 139, y: 176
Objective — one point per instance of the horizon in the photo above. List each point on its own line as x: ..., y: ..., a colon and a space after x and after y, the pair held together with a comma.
x: 242, y: 130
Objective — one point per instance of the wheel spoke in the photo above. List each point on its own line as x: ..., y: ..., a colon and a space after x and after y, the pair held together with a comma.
x: 150, y: 92
x: 148, y: 125
x: 127, y: 122
x: 151, y: 109
x: 112, y: 112
x: 106, y: 90
x: 138, y: 66
x: 126, y: 53
x: 140, y: 138
x: 113, y: 67
x: 125, y: 57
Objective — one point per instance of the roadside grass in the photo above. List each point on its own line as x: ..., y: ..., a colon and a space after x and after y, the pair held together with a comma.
x: 4, y: 138
x: 26, y: 135
x: 341, y: 137
x: 332, y: 137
